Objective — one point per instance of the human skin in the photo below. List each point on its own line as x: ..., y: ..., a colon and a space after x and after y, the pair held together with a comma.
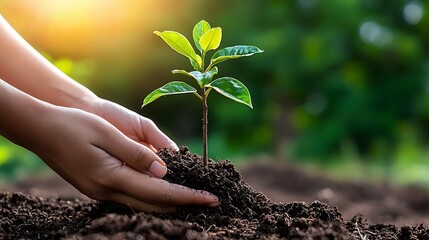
x: 105, y: 150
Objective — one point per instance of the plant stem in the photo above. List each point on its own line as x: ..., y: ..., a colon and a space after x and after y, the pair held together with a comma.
x: 203, y: 55
x: 205, y: 122
x: 209, y: 67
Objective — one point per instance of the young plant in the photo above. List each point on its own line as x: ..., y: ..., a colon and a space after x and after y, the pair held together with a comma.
x: 205, y: 38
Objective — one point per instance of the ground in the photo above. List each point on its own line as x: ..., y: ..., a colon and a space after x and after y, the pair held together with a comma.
x: 260, y: 201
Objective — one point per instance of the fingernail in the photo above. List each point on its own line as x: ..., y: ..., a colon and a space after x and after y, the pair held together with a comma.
x: 174, y: 147
x: 161, y: 162
x: 216, y: 204
x: 158, y: 169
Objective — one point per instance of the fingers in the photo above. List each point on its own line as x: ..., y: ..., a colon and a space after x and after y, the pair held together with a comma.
x: 135, y: 155
x: 139, y: 205
x: 159, y: 192
x: 154, y: 136
x: 139, y: 128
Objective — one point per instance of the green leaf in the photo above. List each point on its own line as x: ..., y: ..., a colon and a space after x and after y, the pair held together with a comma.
x: 200, y: 28
x: 233, y: 53
x: 233, y: 89
x: 171, y: 88
x: 201, y: 78
x: 178, y: 43
x: 178, y: 71
x: 197, y: 65
x: 211, y: 39
x: 208, y: 76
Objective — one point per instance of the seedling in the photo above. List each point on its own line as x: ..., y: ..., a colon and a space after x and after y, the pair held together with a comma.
x: 205, y: 38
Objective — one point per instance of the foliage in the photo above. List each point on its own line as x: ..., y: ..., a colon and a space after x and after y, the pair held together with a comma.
x: 206, y: 39
x: 336, y: 71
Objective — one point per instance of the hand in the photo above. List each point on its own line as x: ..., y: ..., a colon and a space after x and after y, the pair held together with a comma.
x: 90, y: 153
x: 134, y: 126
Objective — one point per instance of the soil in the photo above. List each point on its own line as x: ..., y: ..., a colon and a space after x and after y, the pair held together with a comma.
x: 244, y: 213
x: 377, y: 202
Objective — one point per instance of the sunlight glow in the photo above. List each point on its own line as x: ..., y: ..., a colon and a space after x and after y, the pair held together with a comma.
x: 76, y: 27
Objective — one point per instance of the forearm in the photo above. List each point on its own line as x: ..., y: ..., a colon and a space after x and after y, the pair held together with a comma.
x: 22, y: 117
x: 24, y: 68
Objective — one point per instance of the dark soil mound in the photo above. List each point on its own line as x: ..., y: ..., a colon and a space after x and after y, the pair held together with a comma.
x: 244, y: 214
x: 379, y: 202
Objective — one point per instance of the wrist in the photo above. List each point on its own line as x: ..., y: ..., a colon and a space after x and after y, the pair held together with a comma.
x: 71, y: 94
x: 87, y: 102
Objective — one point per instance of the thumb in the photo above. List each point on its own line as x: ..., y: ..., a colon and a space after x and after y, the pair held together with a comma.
x: 143, y: 159
x: 137, y: 156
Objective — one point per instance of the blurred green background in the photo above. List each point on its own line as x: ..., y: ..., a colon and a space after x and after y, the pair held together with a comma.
x: 342, y: 86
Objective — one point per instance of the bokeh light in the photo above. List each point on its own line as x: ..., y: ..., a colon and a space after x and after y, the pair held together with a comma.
x: 413, y: 12
x: 376, y: 34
